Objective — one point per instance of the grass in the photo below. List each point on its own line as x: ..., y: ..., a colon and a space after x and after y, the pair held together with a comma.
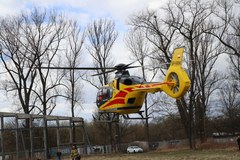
x: 209, y: 154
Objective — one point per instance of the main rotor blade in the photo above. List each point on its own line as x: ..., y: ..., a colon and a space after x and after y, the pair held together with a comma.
x: 78, y: 68
x: 119, y: 67
x: 97, y: 74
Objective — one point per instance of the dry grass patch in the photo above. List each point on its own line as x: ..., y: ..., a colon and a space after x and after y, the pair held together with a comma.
x: 210, y: 154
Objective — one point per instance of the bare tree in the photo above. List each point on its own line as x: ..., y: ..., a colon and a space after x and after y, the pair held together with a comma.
x: 150, y: 26
x: 18, y: 59
x: 32, y: 41
x: 226, y: 28
x: 158, y: 32
x: 52, y: 30
x: 230, y: 102
x: 184, y: 23
x: 73, y: 87
x: 101, y: 35
x: 207, y: 79
x: 227, y: 31
x: 73, y: 57
x: 189, y: 18
x: 140, y: 48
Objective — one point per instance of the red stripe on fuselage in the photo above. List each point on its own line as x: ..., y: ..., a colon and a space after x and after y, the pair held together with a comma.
x: 129, y: 89
x: 156, y: 84
x: 123, y: 93
x: 120, y: 94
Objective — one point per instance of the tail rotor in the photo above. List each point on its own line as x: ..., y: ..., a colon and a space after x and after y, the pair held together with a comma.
x: 177, y: 75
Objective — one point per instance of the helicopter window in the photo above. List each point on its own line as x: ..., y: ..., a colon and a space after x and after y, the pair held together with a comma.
x: 131, y: 100
x: 137, y: 80
x: 130, y: 80
x: 103, y: 95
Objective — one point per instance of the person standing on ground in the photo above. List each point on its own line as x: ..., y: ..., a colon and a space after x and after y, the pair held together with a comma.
x: 74, y: 153
x: 59, y: 154
x: 238, y: 142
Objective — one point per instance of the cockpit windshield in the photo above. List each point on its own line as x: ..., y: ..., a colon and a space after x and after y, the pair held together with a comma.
x: 104, y: 94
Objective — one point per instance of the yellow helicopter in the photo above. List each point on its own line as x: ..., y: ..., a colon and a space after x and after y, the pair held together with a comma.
x: 125, y: 94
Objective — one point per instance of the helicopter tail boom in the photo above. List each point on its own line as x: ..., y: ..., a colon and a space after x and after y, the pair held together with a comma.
x: 177, y: 75
x: 176, y: 82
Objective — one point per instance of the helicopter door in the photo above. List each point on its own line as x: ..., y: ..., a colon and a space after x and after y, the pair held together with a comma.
x: 103, y: 95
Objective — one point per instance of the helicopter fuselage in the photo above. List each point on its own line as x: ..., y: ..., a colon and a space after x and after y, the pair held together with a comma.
x: 126, y: 94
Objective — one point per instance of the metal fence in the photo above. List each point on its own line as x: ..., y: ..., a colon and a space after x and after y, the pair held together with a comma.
x: 27, y: 136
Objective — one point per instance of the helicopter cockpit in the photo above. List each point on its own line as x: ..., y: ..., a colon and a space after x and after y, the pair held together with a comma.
x: 104, y: 94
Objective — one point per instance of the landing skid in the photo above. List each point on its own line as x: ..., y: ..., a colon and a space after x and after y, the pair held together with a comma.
x: 127, y: 116
x: 107, y: 117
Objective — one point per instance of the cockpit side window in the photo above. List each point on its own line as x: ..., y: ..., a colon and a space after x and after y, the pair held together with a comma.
x: 104, y: 94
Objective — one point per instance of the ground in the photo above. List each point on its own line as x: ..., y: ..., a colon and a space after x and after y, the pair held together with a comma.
x: 186, y: 154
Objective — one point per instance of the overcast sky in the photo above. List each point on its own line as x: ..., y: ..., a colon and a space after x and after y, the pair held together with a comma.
x: 84, y: 11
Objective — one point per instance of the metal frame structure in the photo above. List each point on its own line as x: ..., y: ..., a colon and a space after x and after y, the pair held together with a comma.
x: 20, y: 130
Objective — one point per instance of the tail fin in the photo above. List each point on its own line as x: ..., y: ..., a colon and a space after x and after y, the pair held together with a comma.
x: 177, y: 75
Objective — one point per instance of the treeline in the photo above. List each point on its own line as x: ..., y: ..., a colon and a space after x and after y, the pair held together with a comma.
x: 160, y: 129
x: 166, y: 128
